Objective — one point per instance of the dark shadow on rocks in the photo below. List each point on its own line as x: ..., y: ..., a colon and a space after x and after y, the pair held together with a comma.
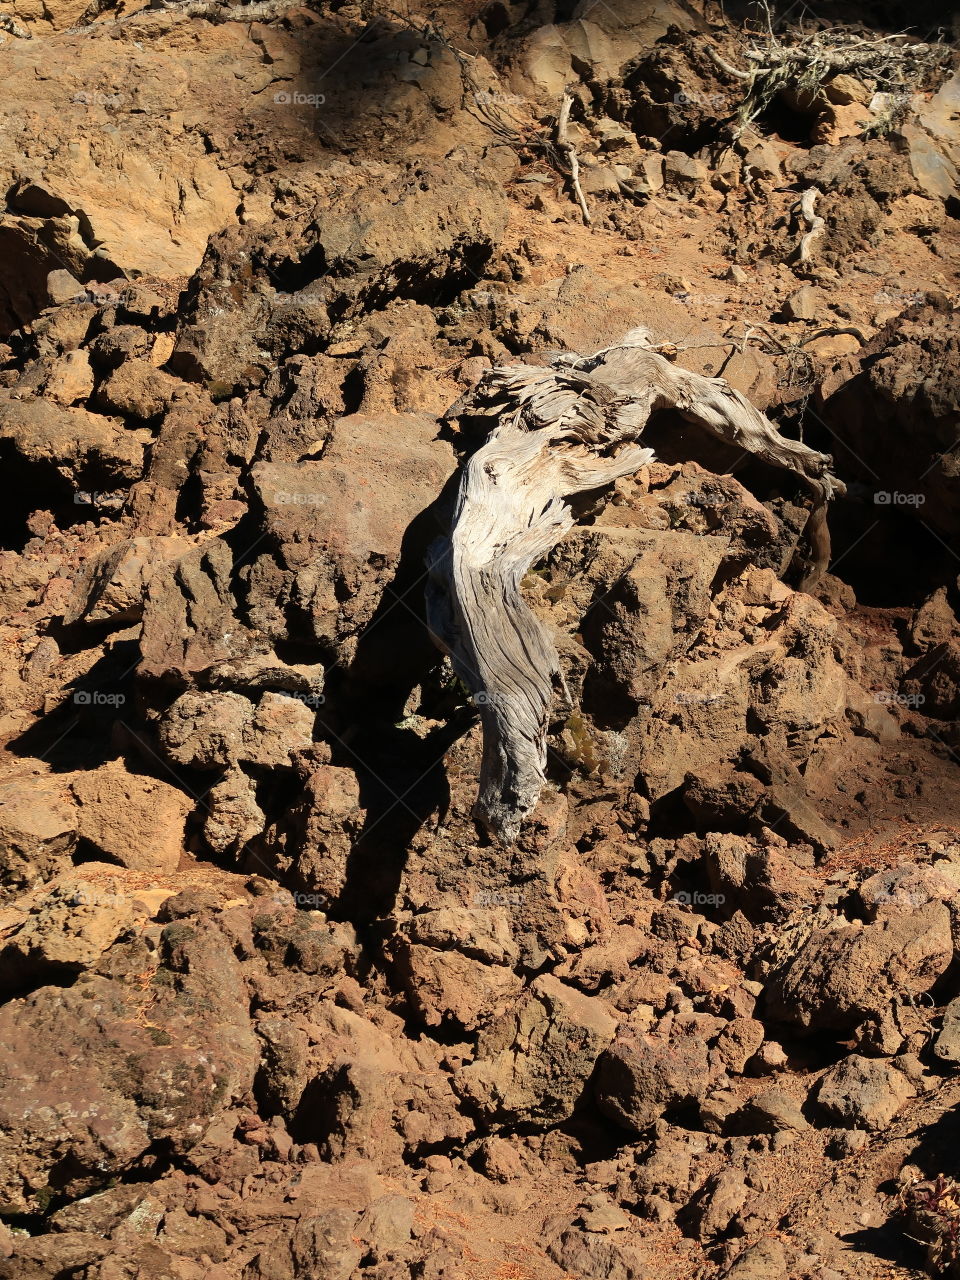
x: 938, y: 1146
x: 402, y: 782
x: 82, y: 732
x: 889, y: 557
x: 395, y: 652
x: 401, y: 775
x: 889, y: 1242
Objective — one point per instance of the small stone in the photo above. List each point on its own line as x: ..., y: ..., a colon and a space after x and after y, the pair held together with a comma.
x: 113, y: 583
x: 770, y: 1057
x: 764, y: 1260
x: 643, y: 1075
x: 534, y: 1062
x: 38, y: 828
x: 676, y: 286
x: 801, y: 305
x: 683, y: 173
x: 601, y: 1216
x: 71, y: 378
x: 232, y: 814
x: 613, y: 136
x: 656, y: 1208
x: 132, y: 818
x: 280, y: 726
x: 138, y: 390
x: 863, y: 1093
x: 774, y: 1109
x: 738, y: 1042
x: 598, y: 179
x: 762, y: 161
x: 934, y: 173
x: 68, y: 928
x: 845, y: 89
x: 722, y: 1198
x: 650, y: 171
x: 387, y: 1224
x: 716, y: 1110
x: 62, y: 287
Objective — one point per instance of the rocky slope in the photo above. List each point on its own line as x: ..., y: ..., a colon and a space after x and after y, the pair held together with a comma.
x: 274, y: 1007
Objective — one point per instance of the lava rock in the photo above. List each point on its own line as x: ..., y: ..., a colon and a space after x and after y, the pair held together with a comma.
x: 641, y: 1076
x: 534, y: 1064
x: 863, y: 1093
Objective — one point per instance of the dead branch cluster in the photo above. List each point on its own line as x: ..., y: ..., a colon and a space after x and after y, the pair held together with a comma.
x: 892, y: 64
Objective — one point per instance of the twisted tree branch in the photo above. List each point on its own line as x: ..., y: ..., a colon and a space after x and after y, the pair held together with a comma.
x: 559, y: 432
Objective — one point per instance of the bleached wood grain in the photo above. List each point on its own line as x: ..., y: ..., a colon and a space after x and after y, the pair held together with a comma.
x: 559, y: 431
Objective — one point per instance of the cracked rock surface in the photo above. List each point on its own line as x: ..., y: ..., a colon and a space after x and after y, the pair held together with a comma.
x: 273, y: 1005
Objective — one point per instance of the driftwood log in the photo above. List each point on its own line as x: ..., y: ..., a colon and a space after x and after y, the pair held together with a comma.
x: 560, y: 431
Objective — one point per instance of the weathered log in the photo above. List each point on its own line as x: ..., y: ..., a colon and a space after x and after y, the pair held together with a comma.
x: 560, y: 431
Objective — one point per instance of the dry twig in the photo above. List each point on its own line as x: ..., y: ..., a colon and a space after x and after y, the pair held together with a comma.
x: 807, y: 209
x: 566, y: 146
